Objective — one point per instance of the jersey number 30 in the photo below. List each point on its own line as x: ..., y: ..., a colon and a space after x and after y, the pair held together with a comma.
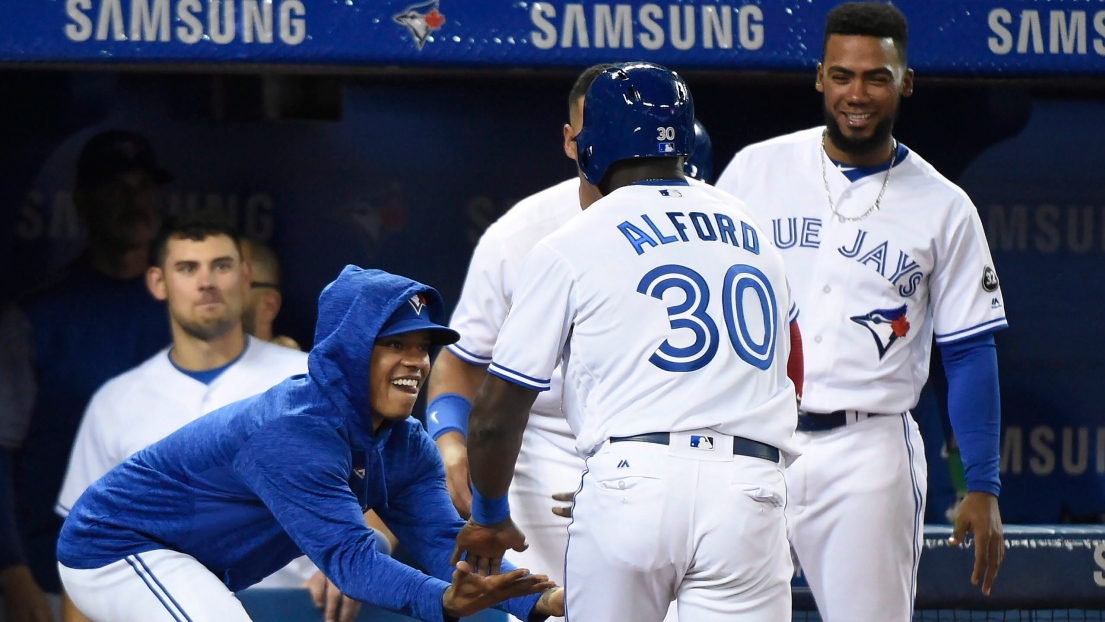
x: 691, y: 315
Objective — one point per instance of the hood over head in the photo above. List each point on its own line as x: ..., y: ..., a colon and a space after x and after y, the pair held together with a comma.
x: 353, y: 311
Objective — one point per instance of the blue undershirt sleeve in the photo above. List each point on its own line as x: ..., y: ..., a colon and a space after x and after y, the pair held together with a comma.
x: 974, y: 407
x: 424, y: 520
x: 304, y: 484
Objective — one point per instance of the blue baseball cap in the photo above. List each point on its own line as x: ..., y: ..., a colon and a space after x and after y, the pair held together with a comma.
x: 414, y: 315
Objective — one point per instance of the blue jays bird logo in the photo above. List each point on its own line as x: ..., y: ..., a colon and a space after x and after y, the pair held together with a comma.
x: 417, y: 302
x: 421, y: 20
x: 377, y: 216
x: 885, y: 325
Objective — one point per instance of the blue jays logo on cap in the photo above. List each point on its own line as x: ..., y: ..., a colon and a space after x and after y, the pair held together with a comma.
x: 409, y: 318
x: 885, y: 325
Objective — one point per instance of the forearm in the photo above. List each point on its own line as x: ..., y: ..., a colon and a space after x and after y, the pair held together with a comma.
x: 974, y: 407
x: 498, y: 420
x: 452, y: 375
x: 452, y: 386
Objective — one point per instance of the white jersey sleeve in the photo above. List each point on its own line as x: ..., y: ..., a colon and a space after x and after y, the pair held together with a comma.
x: 965, y: 294
x: 536, y: 329
x: 91, y: 457
x: 483, y: 303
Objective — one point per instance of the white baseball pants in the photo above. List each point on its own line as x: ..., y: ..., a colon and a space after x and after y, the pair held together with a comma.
x: 855, y: 517
x: 157, y: 586
x: 657, y: 522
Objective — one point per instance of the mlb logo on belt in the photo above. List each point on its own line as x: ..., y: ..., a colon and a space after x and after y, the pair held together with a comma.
x: 705, y: 443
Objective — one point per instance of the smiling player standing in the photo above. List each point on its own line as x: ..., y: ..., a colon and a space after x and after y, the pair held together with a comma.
x: 884, y: 254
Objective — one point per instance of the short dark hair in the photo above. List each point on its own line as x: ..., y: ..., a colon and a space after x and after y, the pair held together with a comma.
x: 195, y: 225
x: 583, y: 82
x: 868, y: 19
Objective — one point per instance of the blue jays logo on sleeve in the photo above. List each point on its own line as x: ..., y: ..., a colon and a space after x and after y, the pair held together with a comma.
x: 885, y: 325
x: 421, y: 20
x: 417, y: 302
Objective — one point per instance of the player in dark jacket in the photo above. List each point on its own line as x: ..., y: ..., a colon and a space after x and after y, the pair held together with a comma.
x: 235, y: 495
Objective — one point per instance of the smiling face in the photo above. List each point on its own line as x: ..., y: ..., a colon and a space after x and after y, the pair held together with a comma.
x: 396, y: 372
x: 204, y: 282
x: 863, y: 80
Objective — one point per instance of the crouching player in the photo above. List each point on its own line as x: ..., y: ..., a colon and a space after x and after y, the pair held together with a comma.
x: 172, y: 532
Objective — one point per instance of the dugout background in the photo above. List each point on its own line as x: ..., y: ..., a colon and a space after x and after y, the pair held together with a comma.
x: 402, y: 170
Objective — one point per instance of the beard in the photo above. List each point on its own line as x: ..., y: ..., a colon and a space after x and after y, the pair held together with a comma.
x: 859, y: 147
x: 207, y: 330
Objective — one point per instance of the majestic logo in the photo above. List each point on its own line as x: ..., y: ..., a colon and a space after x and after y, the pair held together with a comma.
x: 421, y: 20
x: 624, y: 464
x: 417, y: 302
x: 995, y: 304
x: 885, y: 325
x: 705, y: 443
x: 989, y: 279
x: 359, y: 472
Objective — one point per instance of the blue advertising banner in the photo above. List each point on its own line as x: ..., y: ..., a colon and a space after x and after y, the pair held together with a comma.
x: 949, y: 37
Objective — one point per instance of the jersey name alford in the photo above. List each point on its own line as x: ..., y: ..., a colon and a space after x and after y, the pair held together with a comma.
x: 706, y: 311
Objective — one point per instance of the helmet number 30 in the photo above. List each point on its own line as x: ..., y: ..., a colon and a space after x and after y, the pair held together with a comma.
x: 665, y: 133
x: 755, y: 347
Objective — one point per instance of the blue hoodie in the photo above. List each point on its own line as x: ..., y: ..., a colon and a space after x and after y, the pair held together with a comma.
x: 247, y: 487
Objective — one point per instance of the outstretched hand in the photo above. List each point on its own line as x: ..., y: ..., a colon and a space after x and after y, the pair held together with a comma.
x: 978, y: 514
x: 470, y: 592
x: 486, y: 544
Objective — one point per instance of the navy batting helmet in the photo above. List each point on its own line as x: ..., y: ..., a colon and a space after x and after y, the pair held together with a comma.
x: 634, y: 110
x: 701, y: 163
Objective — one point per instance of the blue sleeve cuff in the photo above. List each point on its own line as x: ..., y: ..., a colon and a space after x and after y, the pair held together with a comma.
x: 446, y: 412
x: 488, y: 511
x: 974, y: 407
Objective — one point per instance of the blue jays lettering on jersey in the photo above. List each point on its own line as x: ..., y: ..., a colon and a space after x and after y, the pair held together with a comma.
x: 247, y: 487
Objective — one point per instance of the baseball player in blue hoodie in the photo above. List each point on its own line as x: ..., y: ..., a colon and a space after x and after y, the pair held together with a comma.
x: 171, y: 533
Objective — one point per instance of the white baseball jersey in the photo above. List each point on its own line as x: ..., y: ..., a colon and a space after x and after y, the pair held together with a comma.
x: 155, y: 399
x: 493, y: 275
x: 668, y: 307
x: 918, y: 266
x: 876, y: 291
